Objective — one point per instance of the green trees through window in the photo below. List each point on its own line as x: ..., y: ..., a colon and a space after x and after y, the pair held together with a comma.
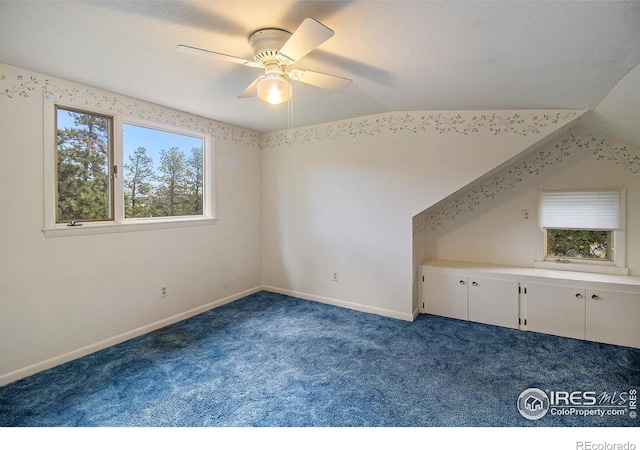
x: 588, y: 244
x: 162, y: 176
x: 84, y: 148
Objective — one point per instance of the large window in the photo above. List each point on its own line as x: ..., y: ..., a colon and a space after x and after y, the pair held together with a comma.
x: 583, y: 227
x: 107, y: 171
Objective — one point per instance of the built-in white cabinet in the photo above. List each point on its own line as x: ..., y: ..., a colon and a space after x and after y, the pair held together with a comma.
x: 493, y: 301
x: 459, y: 296
x: 613, y: 317
x: 554, y: 309
x: 595, y: 307
x: 445, y: 294
x: 597, y: 315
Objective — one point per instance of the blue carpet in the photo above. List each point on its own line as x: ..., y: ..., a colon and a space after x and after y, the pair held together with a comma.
x: 270, y: 360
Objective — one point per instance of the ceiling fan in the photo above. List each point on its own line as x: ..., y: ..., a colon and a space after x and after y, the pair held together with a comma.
x: 275, y: 51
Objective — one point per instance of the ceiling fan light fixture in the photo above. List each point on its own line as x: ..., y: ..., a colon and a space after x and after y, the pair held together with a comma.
x: 274, y: 89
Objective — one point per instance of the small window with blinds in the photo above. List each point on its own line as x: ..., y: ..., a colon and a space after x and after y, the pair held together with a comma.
x: 581, y: 224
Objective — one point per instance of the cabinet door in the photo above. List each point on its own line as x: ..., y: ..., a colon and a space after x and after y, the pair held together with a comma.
x: 445, y: 294
x: 493, y: 301
x: 613, y: 317
x: 558, y: 310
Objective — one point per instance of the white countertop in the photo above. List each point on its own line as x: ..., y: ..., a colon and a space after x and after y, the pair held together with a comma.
x: 518, y: 271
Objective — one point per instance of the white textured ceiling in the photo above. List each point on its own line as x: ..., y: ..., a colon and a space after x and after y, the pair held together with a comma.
x: 401, y: 55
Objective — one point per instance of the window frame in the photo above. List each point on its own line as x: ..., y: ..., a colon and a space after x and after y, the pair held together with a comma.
x: 617, y: 263
x: 111, y: 194
x: 119, y: 223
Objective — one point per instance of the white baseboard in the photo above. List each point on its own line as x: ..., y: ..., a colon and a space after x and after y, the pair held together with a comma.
x: 343, y: 304
x: 101, y: 345
x: 92, y: 348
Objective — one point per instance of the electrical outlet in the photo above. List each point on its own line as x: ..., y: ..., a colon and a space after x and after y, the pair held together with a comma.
x: 526, y: 215
x: 335, y: 276
x: 163, y: 291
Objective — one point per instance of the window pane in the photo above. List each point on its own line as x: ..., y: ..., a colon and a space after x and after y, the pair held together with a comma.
x: 162, y: 173
x: 588, y: 244
x: 83, y: 166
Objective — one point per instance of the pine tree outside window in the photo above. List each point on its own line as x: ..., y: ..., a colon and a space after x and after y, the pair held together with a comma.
x: 106, y: 172
x: 84, y: 166
x: 162, y: 173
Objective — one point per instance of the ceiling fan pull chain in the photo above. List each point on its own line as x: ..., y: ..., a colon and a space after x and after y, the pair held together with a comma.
x: 291, y: 114
x: 290, y: 119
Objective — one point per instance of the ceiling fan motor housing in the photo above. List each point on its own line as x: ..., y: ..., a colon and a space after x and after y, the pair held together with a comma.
x: 266, y: 44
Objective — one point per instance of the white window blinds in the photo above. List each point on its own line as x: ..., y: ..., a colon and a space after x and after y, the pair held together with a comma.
x: 583, y: 210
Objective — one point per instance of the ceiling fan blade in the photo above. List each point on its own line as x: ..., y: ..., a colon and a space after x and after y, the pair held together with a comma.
x: 322, y: 80
x: 307, y: 37
x: 250, y: 91
x: 215, y: 55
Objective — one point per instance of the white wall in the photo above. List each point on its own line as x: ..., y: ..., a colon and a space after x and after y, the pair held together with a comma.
x: 340, y: 197
x: 63, y: 297
x: 495, y: 232
x: 292, y: 207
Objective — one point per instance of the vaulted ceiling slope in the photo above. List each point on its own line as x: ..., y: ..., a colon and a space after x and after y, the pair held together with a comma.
x: 401, y: 55
x: 618, y: 114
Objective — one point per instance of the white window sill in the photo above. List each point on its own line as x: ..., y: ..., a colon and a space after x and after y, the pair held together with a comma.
x: 88, y: 228
x: 582, y: 267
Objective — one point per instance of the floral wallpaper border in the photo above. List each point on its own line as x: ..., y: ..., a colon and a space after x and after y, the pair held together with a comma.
x: 25, y: 86
x: 509, y: 178
x: 495, y: 124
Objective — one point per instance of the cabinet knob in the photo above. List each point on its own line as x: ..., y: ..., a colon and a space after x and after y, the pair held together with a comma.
x: 475, y: 283
x: 578, y: 295
x: 461, y: 281
x: 595, y: 297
